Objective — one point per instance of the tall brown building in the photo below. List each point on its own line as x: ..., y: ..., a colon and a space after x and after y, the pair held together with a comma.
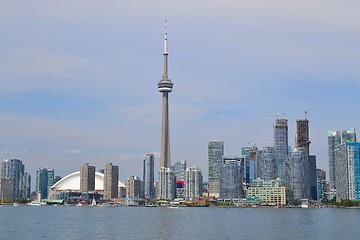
x: 111, y: 181
x: 87, y: 178
x: 133, y: 187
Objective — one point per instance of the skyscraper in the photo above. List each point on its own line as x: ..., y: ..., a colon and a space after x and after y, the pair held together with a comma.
x: 133, y: 188
x: 281, y: 147
x: 348, y: 135
x: 148, y: 176
x: 87, y: 178
x: 44, y: 180
x: 179, y: 170
x: 165, y: 86
x: 231, y: 180
x: 111, y: 181
x: 14, y: 169
x: 299, y: 173
x: 334, y: 142
x: 313, y: 180
x: 215, y: 157
x: 193, y: 183
x: 250, y: 153
x: 303, y: 141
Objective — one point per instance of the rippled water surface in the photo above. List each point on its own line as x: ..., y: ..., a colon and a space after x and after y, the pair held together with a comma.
x: 49, y: 222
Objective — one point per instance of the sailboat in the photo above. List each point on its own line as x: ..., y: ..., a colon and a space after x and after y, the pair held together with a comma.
x: 93, y: 202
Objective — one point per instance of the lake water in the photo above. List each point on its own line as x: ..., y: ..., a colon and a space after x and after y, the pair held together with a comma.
x: 49, y: 222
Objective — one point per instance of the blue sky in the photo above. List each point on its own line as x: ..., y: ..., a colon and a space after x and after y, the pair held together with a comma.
x: 78, y: 80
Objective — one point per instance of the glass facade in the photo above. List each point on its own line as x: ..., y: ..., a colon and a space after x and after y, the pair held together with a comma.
x: 193, y: 183
x: 14, y: 169
x: 334, y: 141
x: 215, y: 157
x: 231, y: 180
x: 44, y: 180
x: 148, y: 177
x: 281, y: 147
x: 313, y: 181
x: 299, y: 173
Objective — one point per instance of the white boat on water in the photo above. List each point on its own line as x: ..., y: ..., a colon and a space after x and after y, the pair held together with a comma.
x: 304, y: 203
x: 15, y: 204
x: 93, y: 202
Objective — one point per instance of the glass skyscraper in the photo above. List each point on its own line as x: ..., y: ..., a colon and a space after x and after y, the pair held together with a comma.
x: 148, y: 177
x: 231, y: 180
x: 313, y: 180
x: 44, y: 180
x: 334, y: 142
x: 215, y: 157
x: 299, y: 173
x: 14, y: 169
x: 193, y: 183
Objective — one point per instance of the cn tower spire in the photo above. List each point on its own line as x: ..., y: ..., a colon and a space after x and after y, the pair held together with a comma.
x: 165, y: 87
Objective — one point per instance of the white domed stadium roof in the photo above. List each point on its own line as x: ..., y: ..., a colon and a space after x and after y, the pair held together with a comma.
x: 72, y: 182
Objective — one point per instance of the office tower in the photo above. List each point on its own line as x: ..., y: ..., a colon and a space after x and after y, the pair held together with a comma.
x: 165, y: 86
x: 87, y: 178
x: 250, y: 154
x: 179, y: 170
x: 313, y: 181
x: 193, y: 183
x: 14, y: 169
x: 299, y: 173
x: 334, y: 142
x: 111, y: 181
x: 281, y: 147
x: 27, y: 185
x: 347, y: 174
x: 321, y: 183
x: 133, y: 187
x: 215, y: 156
x: 166, y: 188
x: 348, y: 135
x: 231, y: 178
x: 44, y: 180
x: 148, y: 177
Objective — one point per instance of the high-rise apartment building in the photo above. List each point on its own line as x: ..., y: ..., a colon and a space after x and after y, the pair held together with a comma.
x: 299, y: 173
x: 87, y: 178
x: 215, y: 157
x: 14, y: 169
x: 27, y: 185
x: 44, y: 180
x: 148, y: 177
x: 166, y: 190
x: 231, y: 178
x: 281, y: 147
x: 348, y: 135
x: 347, y: 174
x: 133, y: 188
x: 321, y: 183
x: 267, y: 156
x: 313, y: 180
x: 179, y: 170
x: 334, y: 142
x: 111, y: 181
x: 193, y: 183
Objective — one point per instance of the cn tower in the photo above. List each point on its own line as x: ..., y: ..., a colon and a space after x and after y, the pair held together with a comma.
x: 165, y: 87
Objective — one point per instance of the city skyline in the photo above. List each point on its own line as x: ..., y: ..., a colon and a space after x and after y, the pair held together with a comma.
x: 78, y: 86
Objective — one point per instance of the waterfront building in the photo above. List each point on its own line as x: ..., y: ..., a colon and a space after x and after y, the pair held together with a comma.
x: 148, y: 177
x: 231, y: 178
x: 268, y: 163
x: 334, y: 142
x: 44, y: 180
x: 111, y: 181
x: 15, y: 170
x: 281, y: 147
x: 347, y: 174
x: 321, y: 183
x: 313, y: 180
x: 299, y: 174
x: 165, y: 86
x: 193, y: 183
x: 250, y: 154
x: 179, y: 169
x: 215, y: 158
x: 68, y: 188
x: 87, y: 180
x: 6, y: 189
x: 272, y: 192
x: 166, y: 188
x: 27, y: 185
x: 133, y: 187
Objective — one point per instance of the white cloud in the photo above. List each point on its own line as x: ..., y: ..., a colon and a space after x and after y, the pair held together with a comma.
x: 74, y: 151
